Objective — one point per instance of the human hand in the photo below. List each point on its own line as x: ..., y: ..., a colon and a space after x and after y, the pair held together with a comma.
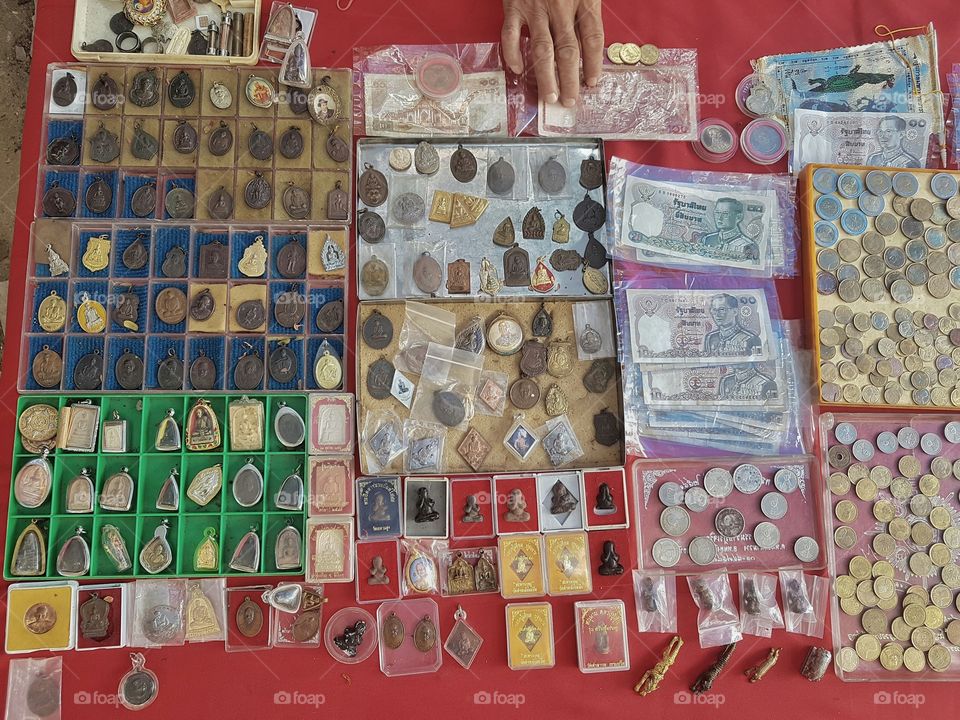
x: 560, y: 32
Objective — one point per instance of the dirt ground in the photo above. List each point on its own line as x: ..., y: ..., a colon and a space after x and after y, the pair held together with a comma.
x: 17, y: 34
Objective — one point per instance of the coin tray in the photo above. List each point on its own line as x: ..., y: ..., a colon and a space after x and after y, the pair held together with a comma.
x: 803, y: 518
x: 236, y: 641
x: 200, y: 171
x: 220, y: 338
x: 91, y: 20
x: 583, y: 405
x: 408, y: 659
x: 402, y: 244
x: 916, y: 372
x: 149, y: 470
x: 116, y: 595
x: 61, y: 596
x: 867, y: 531
x: 389, y: 552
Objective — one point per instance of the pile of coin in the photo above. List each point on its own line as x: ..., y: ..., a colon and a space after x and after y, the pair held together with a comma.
x: 915, y: 536
x: 901, y: 250
x: 631, y: 54
x: 729, y: 522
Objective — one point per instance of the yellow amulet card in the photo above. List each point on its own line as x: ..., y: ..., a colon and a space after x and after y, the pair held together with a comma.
x: 521, y: 566
x: 568, y: 563
x: 529, y: 636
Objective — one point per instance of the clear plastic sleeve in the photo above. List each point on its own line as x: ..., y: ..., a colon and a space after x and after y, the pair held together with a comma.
x: 718, y: 622
x: 382, y: 439
x: 492, y: 393
x: 594, y: 330
x: 448, y: 386
x: 656, y: 600
x: 34, y: 688
x: 158, y: 613
x: 630, y: 102
x: 804, y: 602
x: 751, y: 383
x: 761, y: 241
x: 423, y: 443
x: 759, y: 612
x: 431, y: 90
x: 422, y: 324
x: 560, y: 441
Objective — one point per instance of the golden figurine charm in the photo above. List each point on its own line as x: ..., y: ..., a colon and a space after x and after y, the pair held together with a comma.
x: 652, y: 677
x: 756, y: 673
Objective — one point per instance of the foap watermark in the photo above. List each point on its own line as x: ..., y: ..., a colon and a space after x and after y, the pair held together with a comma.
x: 294, y: 697
x: 684, y: 697
x: 713, y: 100
x: 500, y: 699
x: 84, y: 697
x: 900, y: 699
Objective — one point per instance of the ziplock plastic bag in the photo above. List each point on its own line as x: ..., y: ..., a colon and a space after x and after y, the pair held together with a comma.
x: 423, y: 444
x: 712, y: 366
x: 448, y: 386
x: 424, y: 90
x: 717, y: 622
x: 804, y: 602
x: 34, y: 686
x: 703, y: 220
x: 422, y: 324
x: 656, y: 600
x: 382, y: 435
x: 759, y: 612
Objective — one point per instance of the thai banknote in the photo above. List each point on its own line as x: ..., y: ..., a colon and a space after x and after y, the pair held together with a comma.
x: 699, y: 327
x: 706, y: 227
x: 633, y: 102
x: 395, y: 108
x: 898, y: 76
x: 874, y: 139
x: 731, y: 386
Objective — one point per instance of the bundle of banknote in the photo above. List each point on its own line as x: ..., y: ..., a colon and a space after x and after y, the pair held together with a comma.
x: 706, y: 367
x: 872, y: 139
x: 702, y: 221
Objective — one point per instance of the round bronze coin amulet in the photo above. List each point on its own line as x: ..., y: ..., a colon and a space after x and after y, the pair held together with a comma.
x: 251, y: 314
x: 377, y: 330
x: 589, y: 215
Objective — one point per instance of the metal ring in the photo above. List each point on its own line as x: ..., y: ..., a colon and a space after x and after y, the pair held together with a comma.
x: 152, y: 39
x: 124, y: 38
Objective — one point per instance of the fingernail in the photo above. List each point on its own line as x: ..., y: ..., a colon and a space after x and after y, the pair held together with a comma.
x: 592, y: 82
x: 516, y: 69
x: 569, y: 102
x: 551, y: 98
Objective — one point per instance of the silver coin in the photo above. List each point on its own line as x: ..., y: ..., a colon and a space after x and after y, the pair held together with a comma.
x: 773, y: 505
x: 702, y: 550
x: 905, y: 184
x: 670, y: 494
x: 931, y: 443
x: 426, y: 158
x: 943, y: 185
x: 887, y: 442
x: 729, y: 522
x: 408, y: 208
x: 806, y: 549
x: 400, y: 159
x: 666, y: 552
x: 786, y: 480
x: 878, y: 182
x: 747, y: 478
x: 675, y: 521
x: 696, y: 499
x: 766, y: 535
x: 718, y: 482
x: 863, y: 450
x: 845, y: 433
x: 951, y: 431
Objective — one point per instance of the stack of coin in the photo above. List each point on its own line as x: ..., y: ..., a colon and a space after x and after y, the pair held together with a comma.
x: 885, y: 246
x: 897, y: 541
x: 631, y: 54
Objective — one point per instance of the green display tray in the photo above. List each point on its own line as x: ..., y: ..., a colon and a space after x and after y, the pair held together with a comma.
x: 149, y: 470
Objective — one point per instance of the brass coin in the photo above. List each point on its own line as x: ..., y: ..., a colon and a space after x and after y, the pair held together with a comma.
x: 38, y: 423
x: 40, y: 618
x: 47, y: 368
x: 524, y: 393
x: 171, y: 305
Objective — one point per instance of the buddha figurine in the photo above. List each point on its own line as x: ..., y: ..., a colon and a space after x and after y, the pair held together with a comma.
x: 516, y: 507
x: 378, y: 573
x: 610, y: 560
x: 471, y: 511
x: 425, y: 511
x: 605, y: 503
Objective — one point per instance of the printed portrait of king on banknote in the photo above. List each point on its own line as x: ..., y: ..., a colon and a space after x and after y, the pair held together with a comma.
x: 699, y: 327
x: 873, y: 139
x: 704, y: 227
x: 714, y: 386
